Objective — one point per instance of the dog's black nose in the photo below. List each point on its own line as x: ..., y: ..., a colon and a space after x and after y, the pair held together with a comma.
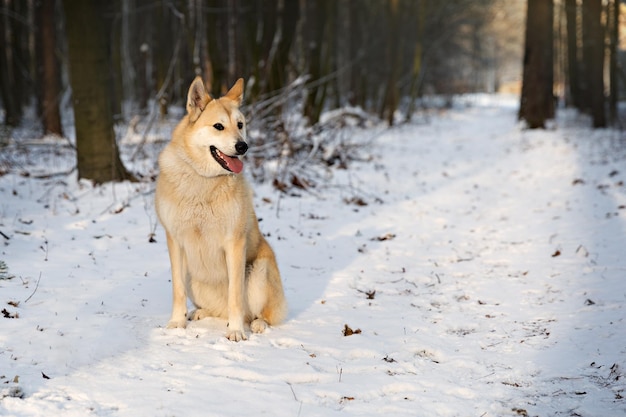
x: 241, y: 147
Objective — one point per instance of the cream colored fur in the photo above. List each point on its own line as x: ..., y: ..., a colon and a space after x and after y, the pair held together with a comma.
x: 219, y: 258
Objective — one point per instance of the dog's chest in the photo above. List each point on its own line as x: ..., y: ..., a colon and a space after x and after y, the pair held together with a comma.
x: 207, y: 217
x: 205, y: 213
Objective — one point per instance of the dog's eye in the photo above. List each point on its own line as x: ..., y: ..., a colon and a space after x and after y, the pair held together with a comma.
x: 218, y: 126
x: 240, y: 125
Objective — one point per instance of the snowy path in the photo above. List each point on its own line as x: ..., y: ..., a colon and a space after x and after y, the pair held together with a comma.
x: 485, y: 277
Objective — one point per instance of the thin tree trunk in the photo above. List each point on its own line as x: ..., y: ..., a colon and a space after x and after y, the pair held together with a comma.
x: 571, y: 8
x: 7, y: 86
x: 48, y: 67
x: 357, y: 90
x: 537, y: 100
x: 418, y: 51
x: 163, y: 43
x: 390, y: 102
x: 586, y: 56
x: 253, y: 29
x: 342, y: 53
x: 232, y: 40
x: 313, y: 32
x: 115, y: 39
x: 90, y: 76
x: 593, y: 45
x: 217, y: 27
x: 319, y: 22
x: 143, y: 55
x: 20, y: 54
x: 279, y: 60
x: 10, y: 79
x: 613, y: 50
x: 129, y: 75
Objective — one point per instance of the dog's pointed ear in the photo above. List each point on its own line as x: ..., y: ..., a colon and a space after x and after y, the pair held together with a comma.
x: 236, y: 92
x: 197, y: 99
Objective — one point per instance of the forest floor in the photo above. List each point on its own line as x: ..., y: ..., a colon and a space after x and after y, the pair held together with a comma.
x: 470, y: 268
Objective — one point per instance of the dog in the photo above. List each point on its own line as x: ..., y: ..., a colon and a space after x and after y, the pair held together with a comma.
x: 219, y: 258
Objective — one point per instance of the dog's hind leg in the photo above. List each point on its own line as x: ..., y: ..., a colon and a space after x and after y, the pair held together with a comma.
x: 266, y: 300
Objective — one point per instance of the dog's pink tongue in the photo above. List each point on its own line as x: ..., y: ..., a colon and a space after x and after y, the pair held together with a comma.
x: 234, y: 164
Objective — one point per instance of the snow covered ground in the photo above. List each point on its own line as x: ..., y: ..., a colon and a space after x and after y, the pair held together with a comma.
x: 480, y: 268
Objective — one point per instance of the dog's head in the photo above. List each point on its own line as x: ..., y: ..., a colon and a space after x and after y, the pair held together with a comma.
x: 215, y: 130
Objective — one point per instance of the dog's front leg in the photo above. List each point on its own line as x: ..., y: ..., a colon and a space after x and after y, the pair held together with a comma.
x: 179, y: 296
x: 236, y: 265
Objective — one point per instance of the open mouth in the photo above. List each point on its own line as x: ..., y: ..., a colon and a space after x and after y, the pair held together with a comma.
x: 229, y: 163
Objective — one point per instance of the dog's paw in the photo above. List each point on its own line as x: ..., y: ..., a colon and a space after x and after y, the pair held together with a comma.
x: 176, y: 324
x: 258, y: 326
x: 236, y: 335
x: 199, y: 314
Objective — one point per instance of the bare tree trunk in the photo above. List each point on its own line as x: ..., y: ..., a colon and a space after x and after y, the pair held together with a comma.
x: 254, y: 26
x: 537, y: 101
x: 90, y: 76
x: 586, y: 55
x: 232, y: 41
x: 127, y: 40
x: 613, y: 59
x: 593, y: 46
x: 317, y: 53
x: 11, y: 116
x: 571, y: 9
x: 358, y: 85
x: 48, y: 67
x: 289, y: 12
x: 342, y: 53
x: 217, y: 31
x: 416, y: 71
x: 390, y: 102
x: 163, y: 43
x: 115, y: 41
x: 19, y: 29
x: 142, y: 52
x: 9, y: 84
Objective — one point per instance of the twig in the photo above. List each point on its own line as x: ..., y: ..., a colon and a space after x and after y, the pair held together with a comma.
x: 295, y: 398
x: 4, y: 236
x: 54, y: 174
x: 292, y: 391
x: 35, y: 290
x: 44, y: 248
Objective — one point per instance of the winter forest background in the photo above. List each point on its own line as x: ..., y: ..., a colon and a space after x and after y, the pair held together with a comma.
x: 98, y: 65
x: 442, y: 182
